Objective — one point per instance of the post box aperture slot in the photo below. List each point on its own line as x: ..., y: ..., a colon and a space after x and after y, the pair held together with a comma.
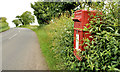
x: 77, y: 19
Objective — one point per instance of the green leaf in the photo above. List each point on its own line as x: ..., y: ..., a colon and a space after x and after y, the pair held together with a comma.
x: 116, y: 69
x: 110, y: 28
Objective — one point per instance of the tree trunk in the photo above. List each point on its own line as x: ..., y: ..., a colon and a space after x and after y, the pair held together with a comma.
x: 21, y: 21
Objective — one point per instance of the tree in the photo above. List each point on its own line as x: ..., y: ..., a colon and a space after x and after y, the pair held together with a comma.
x: 19, y: 18
x: 26, y: 18
x: 16, y: 22
x: 45, y: 11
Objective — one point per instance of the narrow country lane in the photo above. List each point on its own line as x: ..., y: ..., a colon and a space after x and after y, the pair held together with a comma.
x: 21, y: 50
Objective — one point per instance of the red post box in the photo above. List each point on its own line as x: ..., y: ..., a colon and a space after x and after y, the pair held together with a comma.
x: 80, y: 20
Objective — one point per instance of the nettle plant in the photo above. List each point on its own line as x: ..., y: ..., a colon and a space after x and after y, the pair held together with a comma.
x: 103, y: 52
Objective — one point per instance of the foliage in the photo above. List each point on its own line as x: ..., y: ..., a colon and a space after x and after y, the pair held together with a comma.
x: 44, y: 40
x: 44, y: 11
x: 102, y: 53
x: 16, y: 22
x: 61, y: 33
x: 26, y: 18
x: 3, y: 24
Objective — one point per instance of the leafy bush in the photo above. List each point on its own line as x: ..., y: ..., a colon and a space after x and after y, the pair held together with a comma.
x: 3, y: 24
x: 102, y: 53
x: 61, y: 31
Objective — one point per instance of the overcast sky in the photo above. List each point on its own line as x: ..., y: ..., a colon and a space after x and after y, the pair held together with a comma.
x: 11, y: 8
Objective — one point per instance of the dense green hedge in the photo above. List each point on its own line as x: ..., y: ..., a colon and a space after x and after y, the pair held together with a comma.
x: 61, y: 32
x: 3, y: 24
x: 102, y: 53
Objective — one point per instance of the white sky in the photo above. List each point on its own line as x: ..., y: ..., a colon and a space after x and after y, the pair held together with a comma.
x: 11, y: 8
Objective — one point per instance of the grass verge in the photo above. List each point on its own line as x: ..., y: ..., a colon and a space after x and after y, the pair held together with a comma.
x: 45, y: 42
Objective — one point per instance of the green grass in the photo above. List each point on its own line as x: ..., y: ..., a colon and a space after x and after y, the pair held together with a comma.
x: 44, y: 40
x: 4, y: 29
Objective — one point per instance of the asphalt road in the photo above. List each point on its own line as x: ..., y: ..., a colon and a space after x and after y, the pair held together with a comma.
x: 21, y: 50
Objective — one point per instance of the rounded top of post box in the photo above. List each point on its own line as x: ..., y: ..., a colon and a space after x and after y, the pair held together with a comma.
x: 85, y: 11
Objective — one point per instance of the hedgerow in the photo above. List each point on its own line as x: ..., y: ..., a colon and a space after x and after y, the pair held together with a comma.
x: 101, y: 54
x: 3, y: 24
x: 61, y: 31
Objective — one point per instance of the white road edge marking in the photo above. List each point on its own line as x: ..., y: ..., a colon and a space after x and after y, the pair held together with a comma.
x: 13, y: 36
